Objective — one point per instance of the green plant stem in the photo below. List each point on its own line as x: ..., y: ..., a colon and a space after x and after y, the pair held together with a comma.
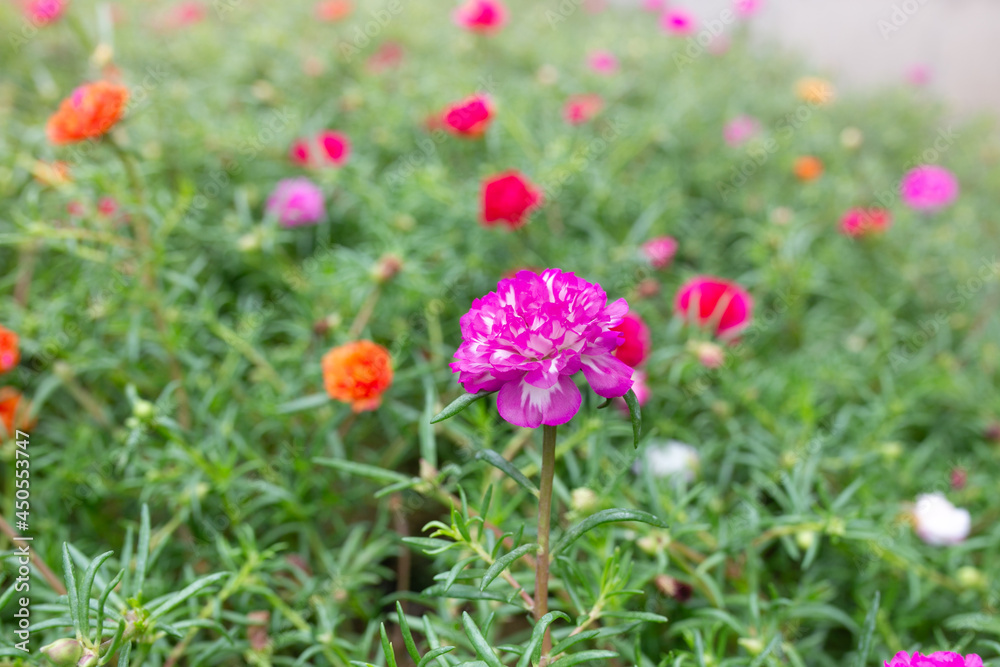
x: 544, y: 525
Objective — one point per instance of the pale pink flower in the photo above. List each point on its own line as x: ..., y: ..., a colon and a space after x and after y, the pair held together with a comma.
x: 740, y: 130
x: 602, y: 62
x: 919, y: 75
x: 928, y: 188
x: 659, y: 252
x: 747, y: 8
x: 297, y: 201
x: 531, y: 336
x: 654, y: 5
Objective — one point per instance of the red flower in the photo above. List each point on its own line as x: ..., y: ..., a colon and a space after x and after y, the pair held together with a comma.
x: 388, y: 56
x: 326, y: 149
x: 581, y: 108
x: 860, y: 222
x: 358, y: 373
x: 470, y: 117
x: 714, y: 303
x: 509, y: 197
x: 636, y: 344
x: 483, y: 16
x: 9, y: 352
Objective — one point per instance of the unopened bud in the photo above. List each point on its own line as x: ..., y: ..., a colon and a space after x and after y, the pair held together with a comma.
x: 63, y: 652
x: 753, y: 645
x: 584, y: 499
x: 386, y: 268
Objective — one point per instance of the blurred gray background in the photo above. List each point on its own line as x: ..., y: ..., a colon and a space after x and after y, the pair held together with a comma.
x: 867, y: 43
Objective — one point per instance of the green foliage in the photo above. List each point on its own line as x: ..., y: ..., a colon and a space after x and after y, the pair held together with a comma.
x: 179, y: 381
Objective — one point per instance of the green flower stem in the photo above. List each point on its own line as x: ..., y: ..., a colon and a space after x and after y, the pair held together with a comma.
x: 544, y: 525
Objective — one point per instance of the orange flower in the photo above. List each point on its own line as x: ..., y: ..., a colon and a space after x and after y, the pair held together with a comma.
x: 358, y: 373
x: 815, y: 90
x: 13, y: 413
x: 808, y: 168
x: 9, y: 354
x: 89, y: 112
x: 53, y: 174
x: 333, y: 10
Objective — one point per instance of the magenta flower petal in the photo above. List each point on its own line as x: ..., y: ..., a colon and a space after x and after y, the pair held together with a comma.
x: 608, y: 376
x: 532, y: 335
x: 525, y: 405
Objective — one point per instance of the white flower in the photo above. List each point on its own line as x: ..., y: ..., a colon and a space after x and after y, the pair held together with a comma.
x: 939, y: 522
x: 671, y: 459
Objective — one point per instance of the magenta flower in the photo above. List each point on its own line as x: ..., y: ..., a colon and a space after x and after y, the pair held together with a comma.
x: 678, y: 21
x: 43, y: 12
x: 602, y: 62
x: 939, y: 659
x: 740, y: 130
x: 297, y: 201
x: 531, y: 336
x: 929, y: 187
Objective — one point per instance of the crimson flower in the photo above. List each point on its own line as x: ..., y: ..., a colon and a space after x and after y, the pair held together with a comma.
x: 508, y: 198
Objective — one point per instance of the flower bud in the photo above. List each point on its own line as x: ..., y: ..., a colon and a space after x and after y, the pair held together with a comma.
x: 88, y: 659
x: 805, y: 538
x: 970, y: 577
x: 753, y: 645
x: 143, y: 410
x: 63, y: 652
x: 584, y: 499
x: 386, y: 268
x: 710, y: 355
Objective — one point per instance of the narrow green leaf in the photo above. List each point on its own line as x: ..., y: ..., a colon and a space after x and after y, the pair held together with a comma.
x: 459, y: 404
x: 534, y: 648
x: 116, y: 641
x: 428, y: 443
x: 390, y: 655
x: 103, y: 601
x: 463, y: 592
x: 434, y: 654
x: 434, y: 642
x: 177, y: 598
x: 363, y: 470
x: 635, y: 616
x: 72, y: 593
x: 123, y: 658
x: 7, y: 595
x: 583, y: 656
x: 304, y: 403
x: 430, y: 545
x: 602, y: 517
x: 404, y: 628
x: 502, y: 563
x: 574, y: 639
x: 867, y: 632
x: 142, y: 551
x: 636, y: 414
x: 479, y: 642
x: 505, y: 466
x: 87, y: 585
